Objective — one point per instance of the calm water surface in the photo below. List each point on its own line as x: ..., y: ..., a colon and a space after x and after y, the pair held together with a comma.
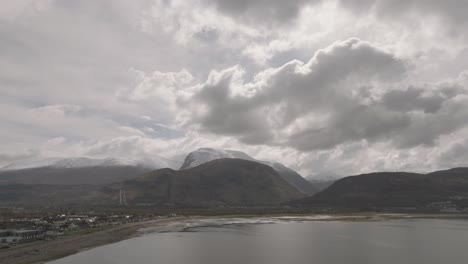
x: 395, y: 242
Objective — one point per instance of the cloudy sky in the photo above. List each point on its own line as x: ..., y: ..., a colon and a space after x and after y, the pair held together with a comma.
x: 326, y: 87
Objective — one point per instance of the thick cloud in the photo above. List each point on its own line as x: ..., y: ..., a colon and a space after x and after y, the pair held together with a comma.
x: 412, y: 99
x: 266, y: 11
x: 451, y: 12
x: 454, y: 156
x: 119, y: 77
x: 344, y: 94
x: 301, y: 103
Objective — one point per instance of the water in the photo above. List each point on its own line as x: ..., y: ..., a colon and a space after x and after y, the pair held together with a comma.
x: 395, y: 242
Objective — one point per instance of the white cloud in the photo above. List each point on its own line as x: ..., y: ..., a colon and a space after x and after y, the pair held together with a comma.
x: 238, y: 75
x: 284, y: 102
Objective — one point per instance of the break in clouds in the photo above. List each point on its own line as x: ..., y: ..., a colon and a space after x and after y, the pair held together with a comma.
x: 326, y: 87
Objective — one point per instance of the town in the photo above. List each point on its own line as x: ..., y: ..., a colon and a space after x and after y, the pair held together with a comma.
x: 21, y: 225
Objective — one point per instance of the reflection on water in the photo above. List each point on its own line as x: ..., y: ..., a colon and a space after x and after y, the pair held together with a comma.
x: 396, y: 241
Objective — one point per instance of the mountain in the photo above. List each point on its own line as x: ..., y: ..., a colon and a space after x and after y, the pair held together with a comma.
x: 99, y: 175
x: 234, y: 182
x: 437, y: 190
x: 77, y: 171
x: 48, y: 195
x: 83, y: 162
x: 204, y: 155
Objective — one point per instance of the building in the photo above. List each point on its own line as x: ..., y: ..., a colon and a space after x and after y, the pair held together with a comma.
x: 17, y: 236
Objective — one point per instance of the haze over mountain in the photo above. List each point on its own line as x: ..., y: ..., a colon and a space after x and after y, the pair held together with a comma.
x: 320, y: 185
x: 322, y: 181
x: 203, y: 155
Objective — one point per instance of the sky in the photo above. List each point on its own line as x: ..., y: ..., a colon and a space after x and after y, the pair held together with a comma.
x: 325, y: 87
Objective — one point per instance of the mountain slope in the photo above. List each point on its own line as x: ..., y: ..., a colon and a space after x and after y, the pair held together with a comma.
x: 395, y: 190
x: 72, y: 176
x: 219, y: 182
x: 204, y: 155
x: 48, y: 195
x: 84, y: 162
x: 80, y: 170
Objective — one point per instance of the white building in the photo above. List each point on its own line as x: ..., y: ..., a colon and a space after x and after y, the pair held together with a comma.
x: 17, y: 236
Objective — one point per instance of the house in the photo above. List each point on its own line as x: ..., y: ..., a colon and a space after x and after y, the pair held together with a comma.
x: 17, y: 236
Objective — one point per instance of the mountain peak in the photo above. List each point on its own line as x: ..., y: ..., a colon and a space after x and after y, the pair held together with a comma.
x: 204, y: 155
x: 217, y: 182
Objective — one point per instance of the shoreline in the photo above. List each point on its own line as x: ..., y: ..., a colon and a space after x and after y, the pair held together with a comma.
x: 49, y: 250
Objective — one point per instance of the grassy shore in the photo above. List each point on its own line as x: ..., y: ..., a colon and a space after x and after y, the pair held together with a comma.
x: 48, y: 250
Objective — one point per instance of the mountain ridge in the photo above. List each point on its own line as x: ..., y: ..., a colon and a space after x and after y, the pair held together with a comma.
x: 81, y: 162
x: 219, y: 182
x: 203, y: 155
x: 395, y: 189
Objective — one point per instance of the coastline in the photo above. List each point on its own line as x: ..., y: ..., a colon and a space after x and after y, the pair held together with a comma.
x: 49, y: 250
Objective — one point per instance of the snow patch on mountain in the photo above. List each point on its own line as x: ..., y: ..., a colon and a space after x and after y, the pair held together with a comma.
x: 83, y: 162
x: 204, y: 155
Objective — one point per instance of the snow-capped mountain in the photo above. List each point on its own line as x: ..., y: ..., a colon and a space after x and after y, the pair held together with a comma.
x: 204, y: 155
x: 80, y: 170
x: 83, y: 162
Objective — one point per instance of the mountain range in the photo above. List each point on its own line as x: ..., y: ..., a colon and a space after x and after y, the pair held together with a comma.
x: 82, y: 170
x: 212, y: 177
x: 24, y: 180
x: 75, y: 171
x: 204, y: 155
x: 217, y: 182
x: 445, y: 189
x: 84, y: 162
